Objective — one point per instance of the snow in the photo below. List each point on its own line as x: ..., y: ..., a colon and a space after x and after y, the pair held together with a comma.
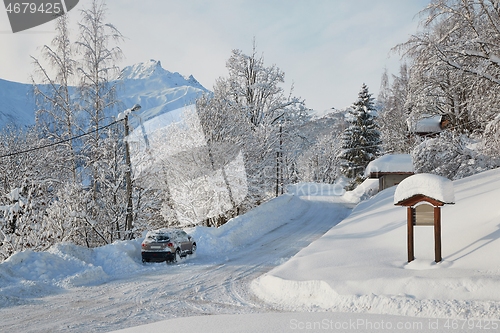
x: 17, y: 107
x: 363, y: 191
x: 432, y: 186
x: 355, y: 274
x: 316, y: 189
x: 247, y: 228
x: 157, y: 90
x: 14, y: 194
x: 326, y: 191
x: 31, y: 273
x: 299, y: 322
x: 152, y: 69
x: 391, y: 163
x: 63, y: 266
x: 360, y: 264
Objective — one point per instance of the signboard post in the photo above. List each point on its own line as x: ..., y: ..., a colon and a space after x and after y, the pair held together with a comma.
x: 411, y: 255
x: 423, y: 211
x: 437, y: 234
x: 423, y: 195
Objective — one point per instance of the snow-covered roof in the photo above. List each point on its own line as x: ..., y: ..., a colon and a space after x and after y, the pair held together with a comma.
x: 432, y: 186
x: 391, y: 163
x: 426, y: 124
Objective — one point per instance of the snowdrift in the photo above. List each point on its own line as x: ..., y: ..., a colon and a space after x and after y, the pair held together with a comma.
x: 246, y: 228
x: 360, y: 264
x: 33, y: 274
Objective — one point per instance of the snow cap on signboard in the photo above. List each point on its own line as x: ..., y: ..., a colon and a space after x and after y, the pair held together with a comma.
x: 432, y: 186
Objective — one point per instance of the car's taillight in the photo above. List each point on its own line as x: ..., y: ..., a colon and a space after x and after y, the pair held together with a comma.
x: 170, y: 244
x: 143, y: 245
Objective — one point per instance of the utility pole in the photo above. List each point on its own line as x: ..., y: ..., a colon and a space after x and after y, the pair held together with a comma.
x: 279, y: 158
x: 279, y: 164
x: 128, y: 173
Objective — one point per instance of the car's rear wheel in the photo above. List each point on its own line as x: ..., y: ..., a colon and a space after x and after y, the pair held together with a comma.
x: 193, y: 248
x: 177, y: 255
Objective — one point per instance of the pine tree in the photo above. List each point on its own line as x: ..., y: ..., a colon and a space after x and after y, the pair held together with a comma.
x: 361, y: 140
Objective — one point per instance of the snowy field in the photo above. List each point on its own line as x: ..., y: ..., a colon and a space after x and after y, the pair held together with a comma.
x: 288, y: 265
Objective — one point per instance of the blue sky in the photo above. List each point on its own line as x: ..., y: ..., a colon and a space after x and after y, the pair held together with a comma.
x: 327, y: 48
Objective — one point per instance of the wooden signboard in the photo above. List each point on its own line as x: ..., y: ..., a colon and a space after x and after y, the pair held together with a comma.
x: 423, y: 210
x: 423, y: 215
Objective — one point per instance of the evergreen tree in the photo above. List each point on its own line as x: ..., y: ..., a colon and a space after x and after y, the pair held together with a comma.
x: 361, y: 140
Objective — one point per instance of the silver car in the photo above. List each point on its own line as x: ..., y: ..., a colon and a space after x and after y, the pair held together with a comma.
x: 167, y: 245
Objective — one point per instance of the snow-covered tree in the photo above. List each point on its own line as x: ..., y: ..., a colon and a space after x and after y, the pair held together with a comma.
x: 96, y: 45
x: 361, y: 140
x: 103, y: 151
x: 455, y: 69
x: 56, y: 114
x: 255, y: 89
x: 320, y: 162
x: 464, y: 35
x: 450, y: 155
x: 393, y: 113
x: 247, y: 109
x: 27, y: 187
x: 455, y: 62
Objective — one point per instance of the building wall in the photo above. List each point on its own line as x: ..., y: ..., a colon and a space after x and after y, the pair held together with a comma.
x: 389, y: 180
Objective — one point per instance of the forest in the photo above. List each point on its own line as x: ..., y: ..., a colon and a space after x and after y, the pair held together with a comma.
x: 69, y: 178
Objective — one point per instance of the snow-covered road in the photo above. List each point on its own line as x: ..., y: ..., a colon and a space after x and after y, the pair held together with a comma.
x: 207, y: 283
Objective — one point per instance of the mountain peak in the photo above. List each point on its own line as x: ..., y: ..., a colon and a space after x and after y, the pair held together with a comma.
x: 153, y: 71
x: 143, y: 70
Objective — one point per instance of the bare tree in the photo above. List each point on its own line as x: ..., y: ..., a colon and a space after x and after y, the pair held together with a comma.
x: 247, y: 109
x: 56, y: 114
x: 97, y: 46
x: 97, y: 66
x: 394, y: 112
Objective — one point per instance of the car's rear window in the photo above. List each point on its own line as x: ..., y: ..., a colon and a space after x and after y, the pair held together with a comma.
x: 162, y: 238
x: 158, y: 238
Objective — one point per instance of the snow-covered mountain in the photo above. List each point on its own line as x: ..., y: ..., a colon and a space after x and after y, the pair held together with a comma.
x: 17, y: 106
x: 156, y: 89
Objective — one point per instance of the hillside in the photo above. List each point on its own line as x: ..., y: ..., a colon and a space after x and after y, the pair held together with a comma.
x: 18, y: 105
x: 360, y: 264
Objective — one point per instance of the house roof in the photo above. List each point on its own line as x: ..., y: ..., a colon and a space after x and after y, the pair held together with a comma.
x: 425, y: 124
x: 390, y: 163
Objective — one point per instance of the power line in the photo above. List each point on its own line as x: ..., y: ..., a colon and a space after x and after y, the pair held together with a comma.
x: 60, y: 142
